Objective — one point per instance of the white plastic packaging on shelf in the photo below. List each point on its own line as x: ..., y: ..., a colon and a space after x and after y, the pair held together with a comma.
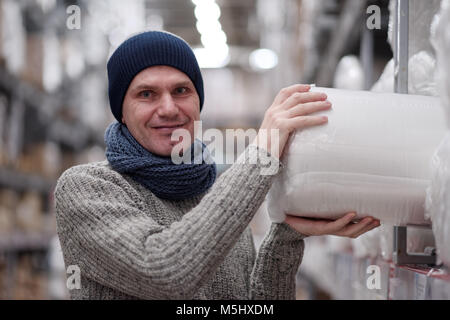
x: 422, y: 63
x: 438, y: 200
x: 421, y: 14
x: 421, y: 78
x: 349, y: 74
x: 373, y: 157
x: 438, y: 194
x: 441, y: 42
x: 12, y: 37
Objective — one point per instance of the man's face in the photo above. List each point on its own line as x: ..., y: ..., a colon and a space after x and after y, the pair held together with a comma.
x: 159, y: 100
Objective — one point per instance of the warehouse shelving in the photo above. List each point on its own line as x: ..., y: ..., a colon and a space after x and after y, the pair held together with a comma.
x: 20, y: 241
x: 22, y: 182
x: 73, y: 134
x: 45, y: 117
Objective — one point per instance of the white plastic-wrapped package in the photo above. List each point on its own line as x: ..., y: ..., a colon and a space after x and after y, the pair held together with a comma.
x: 373, y: 157
x: 421, y: 14
x: 441, y: 42
x: 438, y: 199
x: 349, y: 74
x: 421, y: 64
x: 421, y: 77
x: 438, y: 195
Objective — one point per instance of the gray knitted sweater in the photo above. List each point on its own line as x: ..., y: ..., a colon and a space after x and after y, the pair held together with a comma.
x: 129, y: 244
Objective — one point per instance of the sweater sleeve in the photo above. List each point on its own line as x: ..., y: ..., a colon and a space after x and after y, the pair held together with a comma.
x: 117, y: 244
x: 277, y: 263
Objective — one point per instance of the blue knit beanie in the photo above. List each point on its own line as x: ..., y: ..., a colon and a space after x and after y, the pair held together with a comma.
x: 151, y: 48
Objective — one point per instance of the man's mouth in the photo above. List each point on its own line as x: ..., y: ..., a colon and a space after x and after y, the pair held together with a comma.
x: 168, y: 127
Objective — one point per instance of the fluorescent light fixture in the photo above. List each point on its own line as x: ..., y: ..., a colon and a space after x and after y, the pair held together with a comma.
x: 217, y: 57
x: 207, y: 11
x: 263, y: 59
x: 214, y: 39
x: 208, y: 26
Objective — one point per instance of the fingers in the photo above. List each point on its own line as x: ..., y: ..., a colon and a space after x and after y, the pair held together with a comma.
x: 308, y: 108
x: 356, y: 229
x: 339, y: 224
x: 373, y: 225
x: 303, y: 97
x: 287, y: 92
x: 305, y: 122
x: 343, y: 227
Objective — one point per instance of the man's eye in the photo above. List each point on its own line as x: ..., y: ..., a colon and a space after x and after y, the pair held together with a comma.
x: 145, y: 94
x: 180, y: 90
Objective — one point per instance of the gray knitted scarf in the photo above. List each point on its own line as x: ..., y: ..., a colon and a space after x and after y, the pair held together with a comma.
x: 160, y: 175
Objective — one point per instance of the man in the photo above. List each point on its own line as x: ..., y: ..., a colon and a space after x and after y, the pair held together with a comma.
x: 139, y: 226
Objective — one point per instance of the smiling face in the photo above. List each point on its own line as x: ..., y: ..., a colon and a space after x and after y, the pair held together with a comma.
x: 159, y: 100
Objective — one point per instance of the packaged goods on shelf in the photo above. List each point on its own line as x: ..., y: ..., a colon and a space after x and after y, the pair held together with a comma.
x: 421, y: 14
x: 15, y: 138
x: 3, y: 105
x: 422, y: 80
x: 43, y: 66
x: 33, y: 71
x: 29, y: 283
x: 9, y: 199
x: 438, y: 200
x: 2, y: 60
x: 441, y: 43
x: 6, y: 221
x: 29, y: 213
x: 438, y: 196
x: 421, y: 77
x: 349, y: 74
x: 92, y: 109
x: 373, y: 157
x: 43, y: 159
x: 12, y: 36
x: 421, y: 64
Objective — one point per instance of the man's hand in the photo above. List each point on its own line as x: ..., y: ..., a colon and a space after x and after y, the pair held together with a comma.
x: 343, y: 227
x: 291, y: 110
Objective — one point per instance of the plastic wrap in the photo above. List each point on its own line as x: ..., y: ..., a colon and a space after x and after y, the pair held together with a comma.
x: 349, y: 74
x: 373, y: 157
x: 438, y: 195
x: 421, y: 77
x: 438, y: 199
x: 421, y: 15
x: 422, y: 62
x: 441, y: 43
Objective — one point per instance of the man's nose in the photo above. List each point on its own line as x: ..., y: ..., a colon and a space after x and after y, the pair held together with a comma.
x: 167, y: 107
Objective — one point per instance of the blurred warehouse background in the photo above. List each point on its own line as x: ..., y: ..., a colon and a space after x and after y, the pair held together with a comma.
x: 54, y: 105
